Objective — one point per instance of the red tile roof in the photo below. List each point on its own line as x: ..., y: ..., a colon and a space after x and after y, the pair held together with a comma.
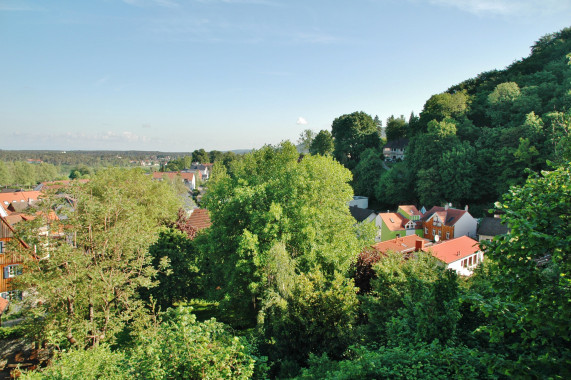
x: 199, y: 219
x: 401, y: 244
x: 172, y: 175
x: 3, y: 305
x: 410, y: 209
x: 394, y: 221
x: 455, y: 249
x: 448, y: 216
x: 19, y: 196
x: 56, y: 185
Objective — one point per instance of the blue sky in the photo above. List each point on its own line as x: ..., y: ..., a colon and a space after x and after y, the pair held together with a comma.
x: 178, y: 75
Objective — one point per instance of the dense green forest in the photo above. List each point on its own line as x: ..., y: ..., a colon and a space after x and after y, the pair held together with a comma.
x: 472, y: 142
x: 269, y: 290
x: 25, y: 169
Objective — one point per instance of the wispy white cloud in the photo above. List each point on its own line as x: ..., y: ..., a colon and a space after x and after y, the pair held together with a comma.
x: 243, y: 2
x: 101, y: 81
x: 301, y: 121
x: 147, y: 3
x: 19, y: 6
x: 506, y: 7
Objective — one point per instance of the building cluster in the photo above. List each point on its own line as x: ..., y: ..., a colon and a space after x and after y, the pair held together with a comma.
x: 451, y: 235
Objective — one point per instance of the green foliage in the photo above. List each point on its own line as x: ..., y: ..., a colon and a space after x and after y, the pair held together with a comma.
x: 318, y: 312
x: 367, y: 172
x: 422, y: 361
x: 442, y: 106
x: 89, y: 288
x: 305, y: 140
x: 529, y: 309
x: 96, y: 363
x: 176, y: 261
x: 270, y: 197
x: 412, y: 301
x: 200, y: 156
x: 178, y: 347
x: 396, y: 128
x: 353, y: 133
x: 322, y: 143
x: 182, y: 348
x: 393, y: 186
x: 23, y: 174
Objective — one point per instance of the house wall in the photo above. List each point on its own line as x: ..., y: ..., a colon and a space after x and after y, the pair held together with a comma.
x: 6, y: 258
x: 466, y: 226
x: 438, y: 230
x: 387, y: 234
x: 467, y: 270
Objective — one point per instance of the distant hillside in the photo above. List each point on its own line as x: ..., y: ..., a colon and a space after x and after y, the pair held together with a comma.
x: 472, y: 142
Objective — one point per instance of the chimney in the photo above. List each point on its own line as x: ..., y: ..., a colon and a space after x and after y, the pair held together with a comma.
x: 446, y: 206
x: 466, y: 208
x: 419, y: 245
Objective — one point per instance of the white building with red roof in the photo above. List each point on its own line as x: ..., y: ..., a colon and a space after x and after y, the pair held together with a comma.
x: 462, y: 254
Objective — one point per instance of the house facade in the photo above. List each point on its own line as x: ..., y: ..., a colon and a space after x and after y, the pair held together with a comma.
x: 395, y: 150
x: 446, y: 223
x: 188, y: 178
x: 405, y: 222
x: 10, y: 262
x: 462, y: 254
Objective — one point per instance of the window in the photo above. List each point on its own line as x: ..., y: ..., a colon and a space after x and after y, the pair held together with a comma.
x: 470, y: 261
x: 433, y: 232
x: 426, y: 230
x: 447, y: 235
x: 11, y: 271
x: 1, y: 247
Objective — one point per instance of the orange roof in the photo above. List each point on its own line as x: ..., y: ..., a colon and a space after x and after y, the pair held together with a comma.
x: 172, y: 175
x: 199, y: 219
x: 3, y: 305
x: 394, y: 221
x: 455, y: 249
x: 401, y: 244
x: 410, y: 210
x: 54, y: 185
x: 19, y: 196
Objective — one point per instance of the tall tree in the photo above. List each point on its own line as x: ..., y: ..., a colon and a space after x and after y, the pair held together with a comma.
x: 353, y: 133
x: 200, y: 156
x: 529, y: 310
x: 88, y: 289
x: 270, y: 197
x: 396, y: 128
x: 305, y: 139
x: 322, y: 143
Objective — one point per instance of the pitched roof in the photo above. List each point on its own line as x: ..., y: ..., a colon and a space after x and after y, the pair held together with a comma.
x: 401, y: 244
x: 360, y: 214
x: 55, y: 185
x: 3, y: 305
x: 454, y: 249
x: 449, y: 216
x: 393, y: 221
x: 492, y: 227
x: 199, y: 219
x: 16, y: 201
x: 410, y: 209
x: 19, y: 196
x: 396, y: 144
x: 172, y: 175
